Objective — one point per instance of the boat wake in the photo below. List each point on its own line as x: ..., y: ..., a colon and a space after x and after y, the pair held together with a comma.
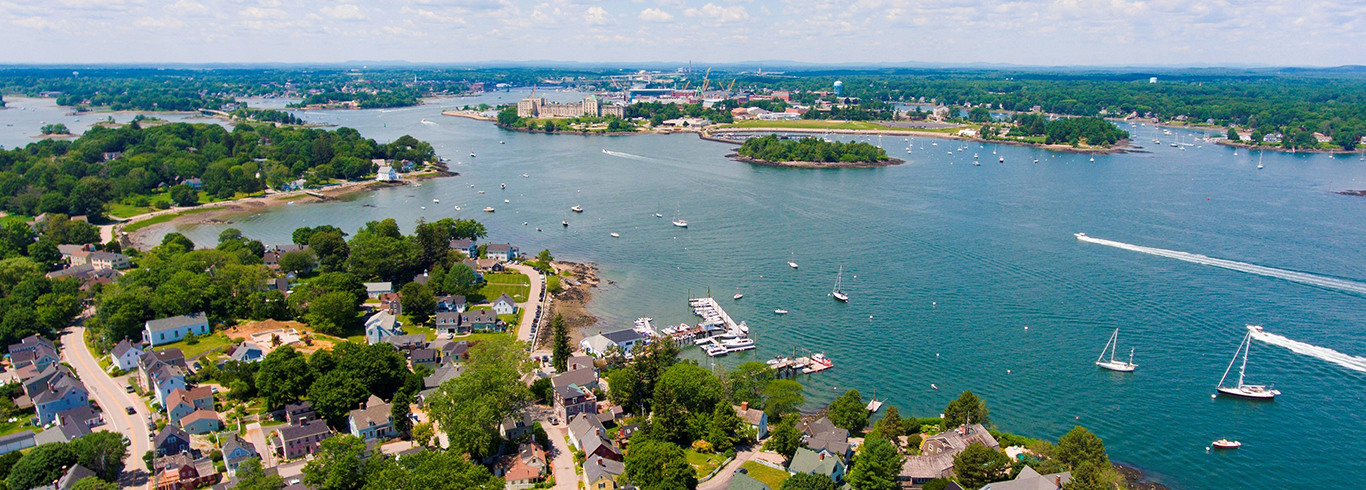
x: 424, y: 121
x: 1300, y: 277
x: 1350, y: 362
x: 624, y: 155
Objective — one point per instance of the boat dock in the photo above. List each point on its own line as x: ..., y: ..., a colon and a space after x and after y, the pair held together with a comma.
x: 789, y: 367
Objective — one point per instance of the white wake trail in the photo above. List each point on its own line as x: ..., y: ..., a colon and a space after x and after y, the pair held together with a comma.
x: 624, y: 155
x: 1300, y: 277
x: 1350, y: 362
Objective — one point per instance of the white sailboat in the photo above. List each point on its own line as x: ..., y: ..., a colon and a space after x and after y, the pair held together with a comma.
x: 1111, y: 346
x: 1259, y: 160
x: 838, y: 292
x: 790, y: 262
x: 1255, y: 392
x: 678, y: 222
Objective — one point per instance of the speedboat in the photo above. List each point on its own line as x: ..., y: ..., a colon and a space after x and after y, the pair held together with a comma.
x: 738, y: 296
x: 564, y: 223
x: 780, y: 311
x: 436, y: 200
x: 488, y: 209
x: 577, y: 209
x: 1226, y: 444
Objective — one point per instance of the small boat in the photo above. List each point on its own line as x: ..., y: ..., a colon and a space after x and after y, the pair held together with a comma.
x: 481, y: 192
x: 506, y: 201
x: 657, y: 215
x: 1003, y: 159
x: 576, y: 209
x: 738, y: 296
x: 488, y: 209
x: 792, y: 264
x: 1253, y: 392
x: 436, y: 200
x: 502, y: 186
x: 500, y: 142
x: 616, y: 235
x: 838, y: 292
x: 780, y: 311
x: 471, y: 154
x: 1093, y: 159
x: 564, y: 223
x: 525, y: 176
x: 975, y: 162
x: 1112, y: 345
x: 1226, y: 444
x: 680, y: 223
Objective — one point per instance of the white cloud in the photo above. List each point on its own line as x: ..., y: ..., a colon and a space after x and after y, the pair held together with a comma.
x: 346, y: 12
x: 597, y: 16
x: 719, y: 13
x: 260, y: 13
x: 655, y: 15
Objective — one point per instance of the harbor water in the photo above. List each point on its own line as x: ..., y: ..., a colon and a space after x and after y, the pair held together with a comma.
x: 963, y: 276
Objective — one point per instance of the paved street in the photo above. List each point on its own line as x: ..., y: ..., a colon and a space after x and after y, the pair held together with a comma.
x: 111, y: 397
x: 565, y: 478
x: 533, y: 299
x: 722, y: 479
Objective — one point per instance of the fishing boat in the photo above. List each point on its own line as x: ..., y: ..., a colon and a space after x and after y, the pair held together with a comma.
x: 1254, y: 392
x: 577, y: 209
x: 738, y: 296
x: 780, y: 311
x: 1111, y: 346
x: 1226, y: 444
x: 488, y: 209
x: 616, y: 235
x: 838, y: 292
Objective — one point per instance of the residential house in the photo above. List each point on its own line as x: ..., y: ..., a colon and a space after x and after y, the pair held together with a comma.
x: 579, y: 361
x: 440, y: 375
x: 480, y: 320
x: 742, y: 481
x: 125, y: 355
x: 572, y: 400
x: 516, y: 426
x: 1322, y: 138
x: 601, y: 473
x: 453, y: 351
x: 298, y: 413
x: 597, y: 445
x: 68, y: 480
x: 380, y: 326
x: 235, y: 451
x: 822, y: 435
x: 100, y: 260
x: 17, y: 441
x: 454, y: 303
x: 372, y: 420
x: 375, y: 289
x: 66, y: 430
x: 40, y: 358
x: 581, y: 426
x: 187, y: 475
x: 247, y: 352
x: 407, y: 342
x: 81, y: 272
x: 182, y: 402
x: 817, y: 463
x: 1273, y: 138
x: 447, y: 323
x: 392, y: 303
x: 425, y: 357
x: 297, y: 441
x: 201, y: 422
x: 526, y: 467
x: 386, y: 174
x: 280, y: 284
x: 465, y: 246
x: 30, y: 343
x: 166, y: 379
x: 61, y: 392
x: 501, y: 251
x: 936, y: 453
x: 167, y: 330
x: 754, y: 418
x: 1029, y: 479
x: 504, y: 305
x: 171, y: 440
x: 586, y: 377
x: 626, y: 340
x: 194, y: 182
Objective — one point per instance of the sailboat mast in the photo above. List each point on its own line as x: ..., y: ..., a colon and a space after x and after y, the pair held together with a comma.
x: 1115, y: 339
x: 1247, y: 345
x: 1230, y: 366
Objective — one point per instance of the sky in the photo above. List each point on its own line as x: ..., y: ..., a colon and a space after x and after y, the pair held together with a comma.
x: 1029, y: 32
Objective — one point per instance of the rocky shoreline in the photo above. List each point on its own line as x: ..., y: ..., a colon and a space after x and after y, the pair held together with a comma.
x: 1134, y: 479
x: 578, y: 281
x: 766, y: 163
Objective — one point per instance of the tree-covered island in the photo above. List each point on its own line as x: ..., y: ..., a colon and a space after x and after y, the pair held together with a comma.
x: 811, y: 152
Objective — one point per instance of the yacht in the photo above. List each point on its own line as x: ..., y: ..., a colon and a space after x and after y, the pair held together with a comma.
x: 1111, y: 346
x: 790, y: 262
x: 1226, y: 444
x: 838, y: 292
x: 1254, y: 392
x: 577, y: 209
x: 680, y: 223
x: 737, y: 345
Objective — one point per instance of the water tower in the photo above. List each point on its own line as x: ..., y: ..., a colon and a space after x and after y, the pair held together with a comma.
x: 839, y: 87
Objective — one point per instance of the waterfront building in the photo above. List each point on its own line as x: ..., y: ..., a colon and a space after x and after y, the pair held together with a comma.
x: 591, y: 106
x: 386, y: 174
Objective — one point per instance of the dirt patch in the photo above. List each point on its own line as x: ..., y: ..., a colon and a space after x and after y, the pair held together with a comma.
x: 578, y: 281
x: 310, y: 341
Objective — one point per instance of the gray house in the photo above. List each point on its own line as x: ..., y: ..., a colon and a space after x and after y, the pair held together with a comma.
x: 167, y: 330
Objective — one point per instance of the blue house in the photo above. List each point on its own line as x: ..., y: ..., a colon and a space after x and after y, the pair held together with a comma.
x: 247, y: 352
x: 465, y: 246
x: 167, y: 330
x: 60, y: 393
x: 381, y: 326
x: 235, y: 451
x: 373, y: 421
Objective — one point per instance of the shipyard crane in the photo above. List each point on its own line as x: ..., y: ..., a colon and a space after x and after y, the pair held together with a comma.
x: 706, y: 80
x: 732, y: 86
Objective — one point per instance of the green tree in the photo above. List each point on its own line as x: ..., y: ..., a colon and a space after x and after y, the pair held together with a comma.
x: 184, y: 195
x: 658, y: 465
x: 876, y: 466
x: 784, y: 439
x: 283, y: 377
x: 1232, y: 134
x: 332, y: 313
x: 336, y: 394
x: 250, y: 476
x: 103, y: 453
x: 783, y: 397
x: 418, y: 302
x: 469, y: 408
x: 889, y: 426
x: 93, y: 483
x: 401, y: 412
x: 436, y: 470
x: 1079, y: 446
x: 808, y: 481
x: 625, y: 383
x: 298, y: 261
x: 1088, y: 476
x: 423, y: 434
x: 746, y: 383
x: 541, y: 390
x: 337, y: 465
x: 978, y: 465
x: 41, y: 465
x: 560, y: 344
x: 331, y: 249
x: 966, y: 409
x: 849, y: 412
x: 726, y: 428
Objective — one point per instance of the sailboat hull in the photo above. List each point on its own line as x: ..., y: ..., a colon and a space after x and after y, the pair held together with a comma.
x: 1119, y: 366
x: 1249, y: 392
x: 841, y: 297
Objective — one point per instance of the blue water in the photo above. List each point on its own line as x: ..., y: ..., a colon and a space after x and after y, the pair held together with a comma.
x: 947, y: 263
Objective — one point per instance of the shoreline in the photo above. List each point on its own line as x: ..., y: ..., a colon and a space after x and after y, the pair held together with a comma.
x: 572, y: 302
x: 1122, y: 146
x: 1227, y: 142
x: 794, y: 164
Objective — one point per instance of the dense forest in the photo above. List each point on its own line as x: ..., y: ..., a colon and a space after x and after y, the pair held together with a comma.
x: 130, y: 163
x: 364, y: 100
x: 774, y: 149
x: 1075, y: 131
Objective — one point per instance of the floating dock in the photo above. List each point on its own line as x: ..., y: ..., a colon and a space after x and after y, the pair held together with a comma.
x: 789, y: 367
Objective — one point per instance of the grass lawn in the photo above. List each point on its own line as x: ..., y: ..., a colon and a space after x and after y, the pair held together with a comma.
x: 419, y: 329
x: 704, y: 464
x: 772, y: 477
x: 160, y: 219
x: 492, y: 291
x: 480, y: 336
x: 205, y: 344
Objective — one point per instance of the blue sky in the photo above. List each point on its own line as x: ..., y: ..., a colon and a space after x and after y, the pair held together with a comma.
x: 1059, y: 32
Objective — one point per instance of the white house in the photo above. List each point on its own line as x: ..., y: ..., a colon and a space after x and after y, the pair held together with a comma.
x: 597, y: 345
x: 381, y: 326
x: 504, y: 305
x: 167, y: 330
x: 125, y: 355
x: 386, y: 174
x: 375, y: 289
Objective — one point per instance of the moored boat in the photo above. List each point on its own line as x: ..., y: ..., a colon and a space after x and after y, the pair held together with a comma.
x: 1241, y: 390
x: 1226, y: 444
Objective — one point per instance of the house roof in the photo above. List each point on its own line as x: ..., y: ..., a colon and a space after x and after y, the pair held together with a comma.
x: 597, y: 468
x: 17, y: 436
x: 425, y: 355
x: 442, y: 375
x: 455, y: 299
x: 179, y: 321
x: 751, y: 416
x: 504, y: 298
x: 31, y: 341
x: 498, y: 247
x: 79, y: 414
x: 73, y: 475
x: 235, y: 443
x: 378, y: 287
x: 583, y: 425
x: 123, y: 347
x: 199, y: 415
x: 1028, y: 479
x: 413, y: 340
x: 478, y: 316
x: 571, y: 391
x: 808, y: 461
x: 578, y: 361
x: 742, y: 481
x: 310, y: 428
x: 58, y: 387
x: 376, y: 412
x: 592, y: 443
x: 242, y: 351
x: 382, y: 320
x: 622, y: 336
x: 461, y: 244
x: 167, y: 432
x: 582, y: 377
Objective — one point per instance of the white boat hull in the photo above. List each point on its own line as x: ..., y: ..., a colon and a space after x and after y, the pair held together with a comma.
x: 1122, y: 367
x: 1250, y: 392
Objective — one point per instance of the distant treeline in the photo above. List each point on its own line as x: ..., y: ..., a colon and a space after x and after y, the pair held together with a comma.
x: 774, y: 149
x: 1092, y: 131
x: 364, y: 100
x: 266, y: 115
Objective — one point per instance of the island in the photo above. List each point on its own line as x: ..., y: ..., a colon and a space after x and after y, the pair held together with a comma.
x: 811, y: 152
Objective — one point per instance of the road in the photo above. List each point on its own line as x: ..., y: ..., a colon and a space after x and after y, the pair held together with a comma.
x: 562, y: 457
x: 533, y: 298
x: 111, y: 397
x: 722, y: 478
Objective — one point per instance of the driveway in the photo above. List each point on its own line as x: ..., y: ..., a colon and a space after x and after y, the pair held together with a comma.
x: 722, y: 479
x: 533, y: 299
x: 111, y: 397
x: 565, y: 477
x: 257, y: 436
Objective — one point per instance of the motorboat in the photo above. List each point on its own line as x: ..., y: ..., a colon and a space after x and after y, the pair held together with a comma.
x: 564, y: 223
x: 481, y: 192
x: 680, y: 223
x: 525, y: 176
x: 505, y: 201
x: 488, y: 209
x: 471, y: 154
x: 436, y: 200
x: 503, y: 186
x: 577, y: 209
x: 1241, y: 390
x: 1111, y: 346
x: 616, y: 235
x: 1226, y: 444
x: 780, y: 311
x: 738, y: 296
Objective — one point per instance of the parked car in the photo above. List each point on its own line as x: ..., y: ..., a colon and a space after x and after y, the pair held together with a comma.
x: 128, y: 388
x: 130, y: 410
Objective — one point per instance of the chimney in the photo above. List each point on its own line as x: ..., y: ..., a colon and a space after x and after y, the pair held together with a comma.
x: 599, y: 460
x: 744, y: 405
x: 822, y: 456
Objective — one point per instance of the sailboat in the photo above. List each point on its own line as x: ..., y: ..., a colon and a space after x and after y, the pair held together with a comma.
x: 678, y: 222
x: 838, y: 292
x: 1112, y: 364
x: 1259, y: 160
x: 1255, y: 392
x: 790, y: 262
x: 657, y: 215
